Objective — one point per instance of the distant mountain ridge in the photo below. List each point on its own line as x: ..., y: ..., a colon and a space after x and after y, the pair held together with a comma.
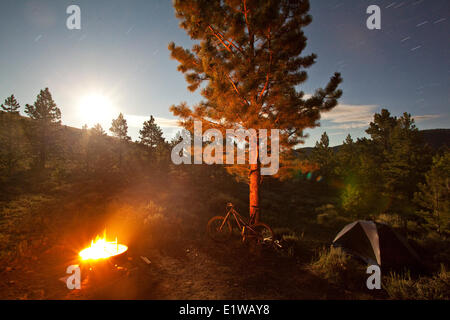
x: 435, y: 138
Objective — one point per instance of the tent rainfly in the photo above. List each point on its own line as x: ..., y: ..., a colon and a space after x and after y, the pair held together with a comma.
x: 377, y: 243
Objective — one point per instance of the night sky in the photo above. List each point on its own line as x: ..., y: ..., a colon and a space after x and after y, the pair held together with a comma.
x: 121, y: 53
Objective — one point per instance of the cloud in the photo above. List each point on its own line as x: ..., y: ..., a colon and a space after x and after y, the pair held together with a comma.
x: 346, y: 116
x: 339, y: 133
x: 349, y: 126
x: 137, y: 121
x: 426, y: 117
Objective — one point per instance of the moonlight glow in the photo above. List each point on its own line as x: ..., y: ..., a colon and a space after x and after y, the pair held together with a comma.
x: 96, y: 108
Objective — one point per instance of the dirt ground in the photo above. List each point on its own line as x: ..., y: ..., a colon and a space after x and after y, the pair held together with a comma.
x: 184, y: 263
x: 199, y: 269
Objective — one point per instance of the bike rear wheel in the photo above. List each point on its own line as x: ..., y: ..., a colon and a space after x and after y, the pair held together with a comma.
x: 261, y: 234
x: 218, y: 230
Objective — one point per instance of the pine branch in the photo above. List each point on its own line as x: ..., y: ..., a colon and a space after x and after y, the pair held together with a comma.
x: 222, y: 40
x: 269, y: 67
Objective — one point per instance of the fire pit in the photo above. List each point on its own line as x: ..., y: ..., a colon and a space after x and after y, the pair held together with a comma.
x: 102, y: 249
x: 102, y: 261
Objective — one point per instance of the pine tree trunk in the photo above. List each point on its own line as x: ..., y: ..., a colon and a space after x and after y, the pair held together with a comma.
x: 120, y: 154
x: 43, y: 148
x: 42, y: 156
x: 255, y: 178
x: 10, y: 152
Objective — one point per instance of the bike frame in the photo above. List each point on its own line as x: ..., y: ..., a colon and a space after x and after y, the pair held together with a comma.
x: 240, y: 221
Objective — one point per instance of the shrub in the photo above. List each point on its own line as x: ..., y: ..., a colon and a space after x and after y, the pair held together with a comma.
x: 328, y: 216
x: 337, y: 267
x: 434, y: 249
x: 217, y: 204
x: 402, y: 286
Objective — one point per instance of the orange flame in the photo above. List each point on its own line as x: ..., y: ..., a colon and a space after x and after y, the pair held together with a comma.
x: 102, y: 249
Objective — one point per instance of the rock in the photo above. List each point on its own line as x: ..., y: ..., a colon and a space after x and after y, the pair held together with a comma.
x: 146, y: 260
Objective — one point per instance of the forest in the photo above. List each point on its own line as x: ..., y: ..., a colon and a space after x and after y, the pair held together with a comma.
x: 60, y: 184
x: 89, y: 212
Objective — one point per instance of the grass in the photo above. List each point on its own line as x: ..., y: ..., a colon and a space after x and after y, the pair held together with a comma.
x: 403, y: 287
x: 336, y: 266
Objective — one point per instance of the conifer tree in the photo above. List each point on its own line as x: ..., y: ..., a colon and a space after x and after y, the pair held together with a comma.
x: 398, y: 162
x: 406, y: 161
x: 98, y: 130
x: 346, y: 158
x: 434, y: 195
x: 247, y: 61
x: 47, y: 117
x: 11, y: 105
x: 323, y: 156
x: 99, y: 149
x: 381, y: 128
x: 10, y: 152
x: 119, y: 129
x: 151, y: 134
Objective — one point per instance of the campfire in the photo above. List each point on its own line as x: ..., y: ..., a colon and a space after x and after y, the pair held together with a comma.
x: 101, y: 248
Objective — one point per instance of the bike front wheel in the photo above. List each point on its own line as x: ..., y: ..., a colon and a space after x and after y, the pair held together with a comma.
x: 218, y: 230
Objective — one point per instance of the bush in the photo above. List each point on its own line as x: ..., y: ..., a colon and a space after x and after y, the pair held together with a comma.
x: 291, y: 242
x: 327, y: 215
x: 338, y: 267
x: 393, y: 220
x: 425, y: 288
x: 434, y: 249
x: 217, y: 204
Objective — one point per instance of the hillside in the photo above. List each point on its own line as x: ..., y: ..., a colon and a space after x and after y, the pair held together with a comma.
x: 435, y: 138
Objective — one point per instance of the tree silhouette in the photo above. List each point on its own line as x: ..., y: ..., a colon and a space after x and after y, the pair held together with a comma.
x: 47, y: 117
x: 247, y: 61
x: 381, y: 128
x: 11, y: 105
x: 151, y: 134
x: 119, y: 129
x: 406, y: 161
x: 10, y: 138
x: 323, y: 155
x: 434, y: 195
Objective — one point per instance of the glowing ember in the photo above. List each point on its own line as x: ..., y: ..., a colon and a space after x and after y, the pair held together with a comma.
x: 102, y: 249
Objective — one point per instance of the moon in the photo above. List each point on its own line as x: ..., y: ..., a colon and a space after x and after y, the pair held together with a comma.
x: 96, y: 108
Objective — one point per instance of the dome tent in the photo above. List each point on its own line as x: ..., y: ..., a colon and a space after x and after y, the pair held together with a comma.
x: 377, y: 243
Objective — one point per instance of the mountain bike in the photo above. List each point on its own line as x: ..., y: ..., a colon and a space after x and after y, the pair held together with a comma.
x: 219, y: 228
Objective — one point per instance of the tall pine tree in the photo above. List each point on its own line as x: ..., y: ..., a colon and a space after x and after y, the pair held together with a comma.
x: 247, y: 61
x: 406, y: 161
x: 11, y: 105
x: 119, y: 129
x: 10, y: 136
x: 47, y: 117
x: 433, y: 197
x: 323, y: 156
x: 151, y: 134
